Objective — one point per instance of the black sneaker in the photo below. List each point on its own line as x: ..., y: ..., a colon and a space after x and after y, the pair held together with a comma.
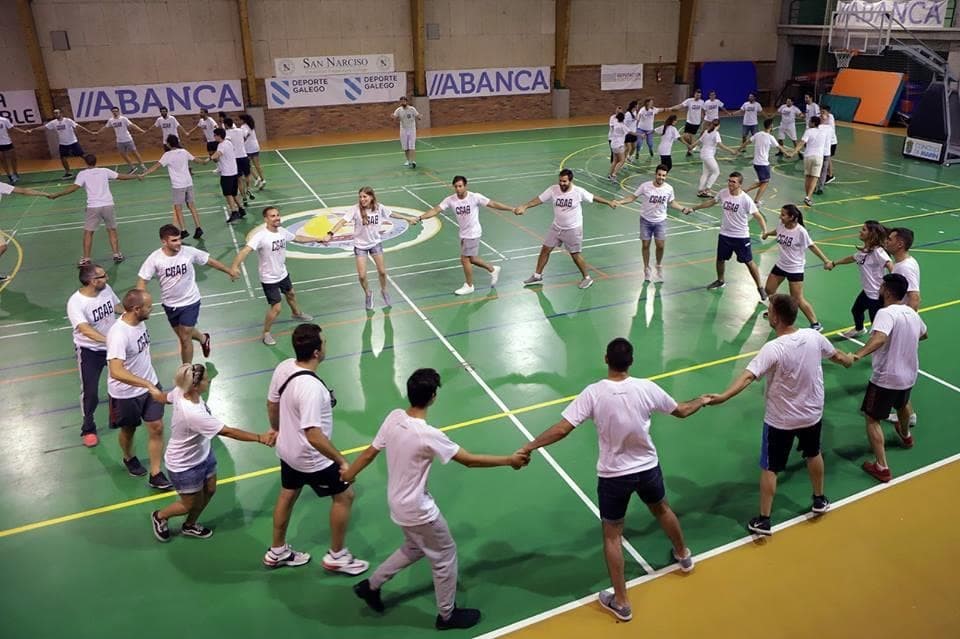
x: 198, y: 233
x: 160, y: 529
x: 184, y: 234
x: 830, y: 178
x: 818, y: 192
x: 251, y: 196
x: 369, y: 595
x: 196, y: 530
x: 134, y: 467
x: 413, y: 165
x: 760, y: 526
x: 234, y: 216
x: 820, y: 504
x: 459, y: 618
x: 242, y: 211
x: 159, y: 482
x: 715, y: 284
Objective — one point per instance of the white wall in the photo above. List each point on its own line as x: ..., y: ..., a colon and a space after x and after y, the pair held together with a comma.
x: 735, y: 30
x: 621, y: 32
x: 17, y: 72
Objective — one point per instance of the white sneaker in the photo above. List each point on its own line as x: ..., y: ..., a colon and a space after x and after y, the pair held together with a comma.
x: 686, y: 563
x: 850, y: 334
x: 268, y: 339
x: 495, y: 276
x: 407, y: 163
x: 646, y: 273
x: 585, y: 283
x: 346, y: 563
x: 287, y: 557
x: 892, y: 417
x: 466, y: 289
x: 658, y: 274
x: 368, y: 301
x: 303, y: 317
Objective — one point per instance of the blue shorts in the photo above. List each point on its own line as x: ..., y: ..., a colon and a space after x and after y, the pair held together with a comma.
x: 749, y: 129
x: 728, y: 246
x: 763, y: 172
x: 193, y: 479
x: 613, y: 493
x: 66, y: 150
x: 183, y: 315
x: 656, y: 230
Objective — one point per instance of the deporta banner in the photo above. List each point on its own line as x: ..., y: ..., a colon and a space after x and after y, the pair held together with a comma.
x: 333, y: 65
x: 20, y: 107
x: 912, y: 14
x: 288, y: 93
x: 475, y: 83
x: 617, y: 77
x: 146, y: 99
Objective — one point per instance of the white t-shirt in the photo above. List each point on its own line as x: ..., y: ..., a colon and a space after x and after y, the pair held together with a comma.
x: 227, y: 162
x: 668, y: 136
x: 98, y: 312
x: 235, y: 136
x: 468, y: 212
x: 272, y: 249
x: 66, y: 130
x: 207, y: 125
x: 910, y: 269
x: 621, y: 411
x: 177, y: 162
x: 408, y: 117
x: 711, y: 109
x: 793, y: 248
x: 121, y: 128
x: 366, y: 236
x: 567, y: 213
x: 871, y: 265
x: 411, y: 446
x: 737, y: 210
x: 630, y: 121
x: 6, y: 189
x: 5, y: 126
x: 191, y: 429
x: 167, y: 126
x: 612, y: 122
x: 709, y: 141
x: 645, y: 118
x: 250, y: 142
x: 895, y: 364
x: 305, y: 404
x: 831, y: 138
x: 132, y: 345
x: 178, y: 281
x: 96, y: 182
x: 816, y: 139
x: 620, y: 131
x: 694, y: 110
x: 788, y: 115
x: 654, y: 201
x: 811, y: 110
x: 750, y: 111
x: 794, y: 374
x: 762, y: 143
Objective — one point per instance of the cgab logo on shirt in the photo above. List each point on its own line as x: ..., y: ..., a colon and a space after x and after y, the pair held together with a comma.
x: 102, y: 311
x: 463, y: 210
x: 732, y: 207
x: 784, y: 240
x: 143, y: 342
x: 177, y: 270
x: 658, y: 199
x: 564, y: 202
x: 278, y: 245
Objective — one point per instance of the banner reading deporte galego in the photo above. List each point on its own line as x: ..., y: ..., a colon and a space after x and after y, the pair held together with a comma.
x: 144, y: 100
x: 475, y: 83
x: 289, y: 93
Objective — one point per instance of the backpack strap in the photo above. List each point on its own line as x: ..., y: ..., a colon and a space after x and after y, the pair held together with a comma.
x: 299, y: 374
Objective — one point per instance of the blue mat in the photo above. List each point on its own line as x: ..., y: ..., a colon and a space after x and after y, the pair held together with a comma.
x: 731, y: 80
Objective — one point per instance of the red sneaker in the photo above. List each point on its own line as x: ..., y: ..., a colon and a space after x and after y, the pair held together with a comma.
x: 880, y: 474
x: 205, y: 345
x: 90, y: 440
x: 905, y: 441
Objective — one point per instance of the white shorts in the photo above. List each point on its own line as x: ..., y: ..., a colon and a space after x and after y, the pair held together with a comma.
x: 788, y: 131
x: 812, y: 165
x: 182, y: 196
x: 408, y: 139
x: 571, y: 239
x: 93, y: 217
x: 469, y: 246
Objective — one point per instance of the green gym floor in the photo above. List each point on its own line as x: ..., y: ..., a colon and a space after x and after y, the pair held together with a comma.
x: 75, y: 541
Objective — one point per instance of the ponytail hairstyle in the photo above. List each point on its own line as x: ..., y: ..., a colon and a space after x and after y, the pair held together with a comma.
x: 794, y: 212
x: 373, y: 202
x: 670, y: 120
x: 632, y: 107
x: 189, y: 376
x: 876, y: 234
x: 247, y: 119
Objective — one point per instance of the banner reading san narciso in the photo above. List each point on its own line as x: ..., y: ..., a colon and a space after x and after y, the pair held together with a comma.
x: 333, y: 65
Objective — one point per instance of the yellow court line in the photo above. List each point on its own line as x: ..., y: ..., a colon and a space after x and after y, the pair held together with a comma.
x: 894, y: 219
x: 16, y: 268
x: 351, y: 451
x: 913, y: 250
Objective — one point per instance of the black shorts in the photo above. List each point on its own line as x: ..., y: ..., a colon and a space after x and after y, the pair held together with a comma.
x: 777, y: 442
x: 667, y: 161
x: 129, y: 413
x: 629, y: 138
x: 229, y: 184
x: 613, y: 493
x: 879, y: 401
x: 325, y: 483
x: 728, y: 246
x: 791, y: 277
x: 243, y: 166
x: 691, y: 128
x: 833, y: 150
x: 6, y: 147
x: 276, y: 289
x: 66, y: 150
x: 188, y: 315
x: 212, y: 147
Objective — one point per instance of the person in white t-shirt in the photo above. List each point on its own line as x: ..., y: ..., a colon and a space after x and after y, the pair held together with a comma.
x: 189, y: 456
x: 751, y: 110
x: 66, y: 138
x: 645, y: 124
x: 172, y: 264
x: 621, y: 407
x: 8, y: 156
x: 871, y: 259
x: 830, y: 149
x: 788, y: 123
x: 367, y: 217
x: 100, y: 205
x: 300, y: 408
x: 794, y: 241
x: 734, y: 239
x: 898, y: 243
x: 567, y: 227
x: 712, y: 107
x: 408, y: 116
x: 810, y: 109
x: 121, y: 125
x: 411, y: 446
x: 814, y: 141
x: 668, y: 135
x: 168, y: 125
x: 207, y: 126
x: 8, y: 189
x: 630, y: 137
x: 135, y: 393
x: 270, y: 243
x: 252, y: 146
x: 610, y: 139
x: 92, y: 310
x: 762, y: 142
x: 177, y: 160
x: 226, y: 158
x: 234, y: 135
x: 794, y: 400
x: 655, y: 197
x: 894, y: 342
x: 691, y: 127
x: 618, y: 145
x: 709, y: 142
x: 466, y: 206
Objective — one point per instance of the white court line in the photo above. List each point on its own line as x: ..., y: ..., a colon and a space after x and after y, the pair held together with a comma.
x: 236, y: 246
x: 454, y: 222
x: 920, y: 371
x: 743, y: 541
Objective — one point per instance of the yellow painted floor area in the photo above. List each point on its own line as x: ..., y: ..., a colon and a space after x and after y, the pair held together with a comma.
x: 863, y: 570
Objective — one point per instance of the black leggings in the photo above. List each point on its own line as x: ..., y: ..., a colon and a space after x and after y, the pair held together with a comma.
x: 861, y: 304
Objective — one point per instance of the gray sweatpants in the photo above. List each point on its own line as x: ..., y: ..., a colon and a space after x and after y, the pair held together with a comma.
x: 434, y: 542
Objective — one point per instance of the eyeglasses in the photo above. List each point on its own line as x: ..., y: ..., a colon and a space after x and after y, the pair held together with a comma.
x: 100, y: 277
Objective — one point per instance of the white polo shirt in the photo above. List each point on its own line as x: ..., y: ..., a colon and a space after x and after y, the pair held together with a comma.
x: 305, y: 404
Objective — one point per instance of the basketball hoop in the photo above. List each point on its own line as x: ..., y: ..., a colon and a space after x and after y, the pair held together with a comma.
x: 844, y: 56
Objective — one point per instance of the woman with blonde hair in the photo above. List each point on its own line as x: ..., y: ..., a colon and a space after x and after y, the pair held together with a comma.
x: 189, y: 457
x: 367, y: 217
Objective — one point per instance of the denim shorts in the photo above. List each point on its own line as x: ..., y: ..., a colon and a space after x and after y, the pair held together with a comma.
x: 653, y: 230
x: 193, y: 479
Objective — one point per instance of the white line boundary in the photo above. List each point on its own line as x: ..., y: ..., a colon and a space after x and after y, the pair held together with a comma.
x: 236, y: 246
